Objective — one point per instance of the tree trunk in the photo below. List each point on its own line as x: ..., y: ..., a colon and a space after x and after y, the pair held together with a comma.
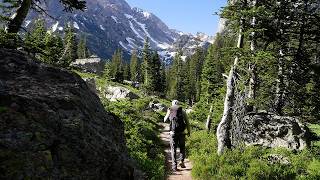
x: 252, y: 66
x: 208, y: 124
x: 224, y: 125
x: 280, y: 85
x: 17, y: 19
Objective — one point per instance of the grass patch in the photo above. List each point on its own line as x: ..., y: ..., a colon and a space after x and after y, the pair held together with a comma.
x: 315, y: 128
x: 249, y: 162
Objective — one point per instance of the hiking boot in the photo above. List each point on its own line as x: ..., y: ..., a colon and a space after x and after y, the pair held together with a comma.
x: 182, y: 165
x: 174, y: 169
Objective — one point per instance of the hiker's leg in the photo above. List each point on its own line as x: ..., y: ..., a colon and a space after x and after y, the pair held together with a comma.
x: 182, y: 146
x: 173, y: 145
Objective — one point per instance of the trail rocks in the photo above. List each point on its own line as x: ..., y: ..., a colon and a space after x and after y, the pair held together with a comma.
x: 53, y: 127
x: 271, y: 131
x: 157, y: 106
x: 115, y: 93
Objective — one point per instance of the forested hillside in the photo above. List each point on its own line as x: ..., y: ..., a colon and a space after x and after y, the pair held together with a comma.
x: 252, y: 97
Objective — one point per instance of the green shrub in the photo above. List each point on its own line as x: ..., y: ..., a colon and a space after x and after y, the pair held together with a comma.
x: 141, y: 131
x: 9, y: 40
x: 314, y: 169
x: 248, y: 162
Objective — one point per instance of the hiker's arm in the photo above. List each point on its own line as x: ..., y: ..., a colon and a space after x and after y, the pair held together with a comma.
x: 187, y: 122
x: 167, y: 116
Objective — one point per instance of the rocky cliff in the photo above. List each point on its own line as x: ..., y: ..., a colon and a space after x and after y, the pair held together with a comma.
x: 53, y: 127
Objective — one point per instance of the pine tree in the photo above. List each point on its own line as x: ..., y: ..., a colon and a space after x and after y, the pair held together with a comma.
x: 70, y: 47
x: 175, y: 90
x: 53, y: 49
x: 126, y: 71
x: 163, y: 80
x: 135, y: 67
x: 147, y: 68
x: 107, y: 71
x: 117, y: 66
x: 34, y: 41
x: 82, y: 51
x: 212, y: 79
x: 195, y: 70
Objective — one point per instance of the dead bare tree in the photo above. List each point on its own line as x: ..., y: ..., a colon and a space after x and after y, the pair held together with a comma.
x: 208, y: 123
x: 224, y: 125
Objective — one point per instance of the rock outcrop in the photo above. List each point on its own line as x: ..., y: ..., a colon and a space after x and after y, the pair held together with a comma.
x: 266, y: 129
x: 90, y: 65
x: 271, y: 131
x: 115, y: 93
x: 53, y: 127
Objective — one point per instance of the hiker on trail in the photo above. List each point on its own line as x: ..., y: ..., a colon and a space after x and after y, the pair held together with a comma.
x: 178, y: 124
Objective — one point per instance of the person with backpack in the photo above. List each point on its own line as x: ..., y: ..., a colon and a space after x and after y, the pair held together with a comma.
x: 178, y: 124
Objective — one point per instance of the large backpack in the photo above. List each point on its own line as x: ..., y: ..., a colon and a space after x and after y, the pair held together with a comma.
x: 177, y: 123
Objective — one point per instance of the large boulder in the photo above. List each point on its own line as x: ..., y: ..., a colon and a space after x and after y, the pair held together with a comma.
x: 53, y: 127
x: 271, y: 130
x: 115, y: 93
x: 266, y: 129
x: 92, y: 64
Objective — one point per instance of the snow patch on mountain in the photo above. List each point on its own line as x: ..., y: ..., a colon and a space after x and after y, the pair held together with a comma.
x: 135, y: 31
x: 27, y: 23
x: 124, y: 46
x: 75, y: 25
x: 55, y: 26
x: 131, y: 43
x: 143, y: 27
x: 102, y: 28
x: 128, y: 16
x: 143, y: 12
x: 115, y: 19
x: 164, y: 46
x: 146, y: 14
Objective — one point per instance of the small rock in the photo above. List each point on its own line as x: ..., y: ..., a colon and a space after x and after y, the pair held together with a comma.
x: 277, y: 158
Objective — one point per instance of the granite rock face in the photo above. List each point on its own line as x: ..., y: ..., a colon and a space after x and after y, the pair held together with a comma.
x: 272, y: 131
x: 52, y: 126
x: 115, y: 93
x: 266, y: 129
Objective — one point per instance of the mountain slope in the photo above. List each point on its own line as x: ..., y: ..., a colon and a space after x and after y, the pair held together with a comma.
x: 112, y: 24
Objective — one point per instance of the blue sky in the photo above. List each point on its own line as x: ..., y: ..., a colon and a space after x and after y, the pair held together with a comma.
x: 185, y: 15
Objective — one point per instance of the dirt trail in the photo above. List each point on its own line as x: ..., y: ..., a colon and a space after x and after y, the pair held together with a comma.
x: 182, y: 173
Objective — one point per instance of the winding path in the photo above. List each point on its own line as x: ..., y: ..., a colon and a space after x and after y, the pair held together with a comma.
x: 182, y: 173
